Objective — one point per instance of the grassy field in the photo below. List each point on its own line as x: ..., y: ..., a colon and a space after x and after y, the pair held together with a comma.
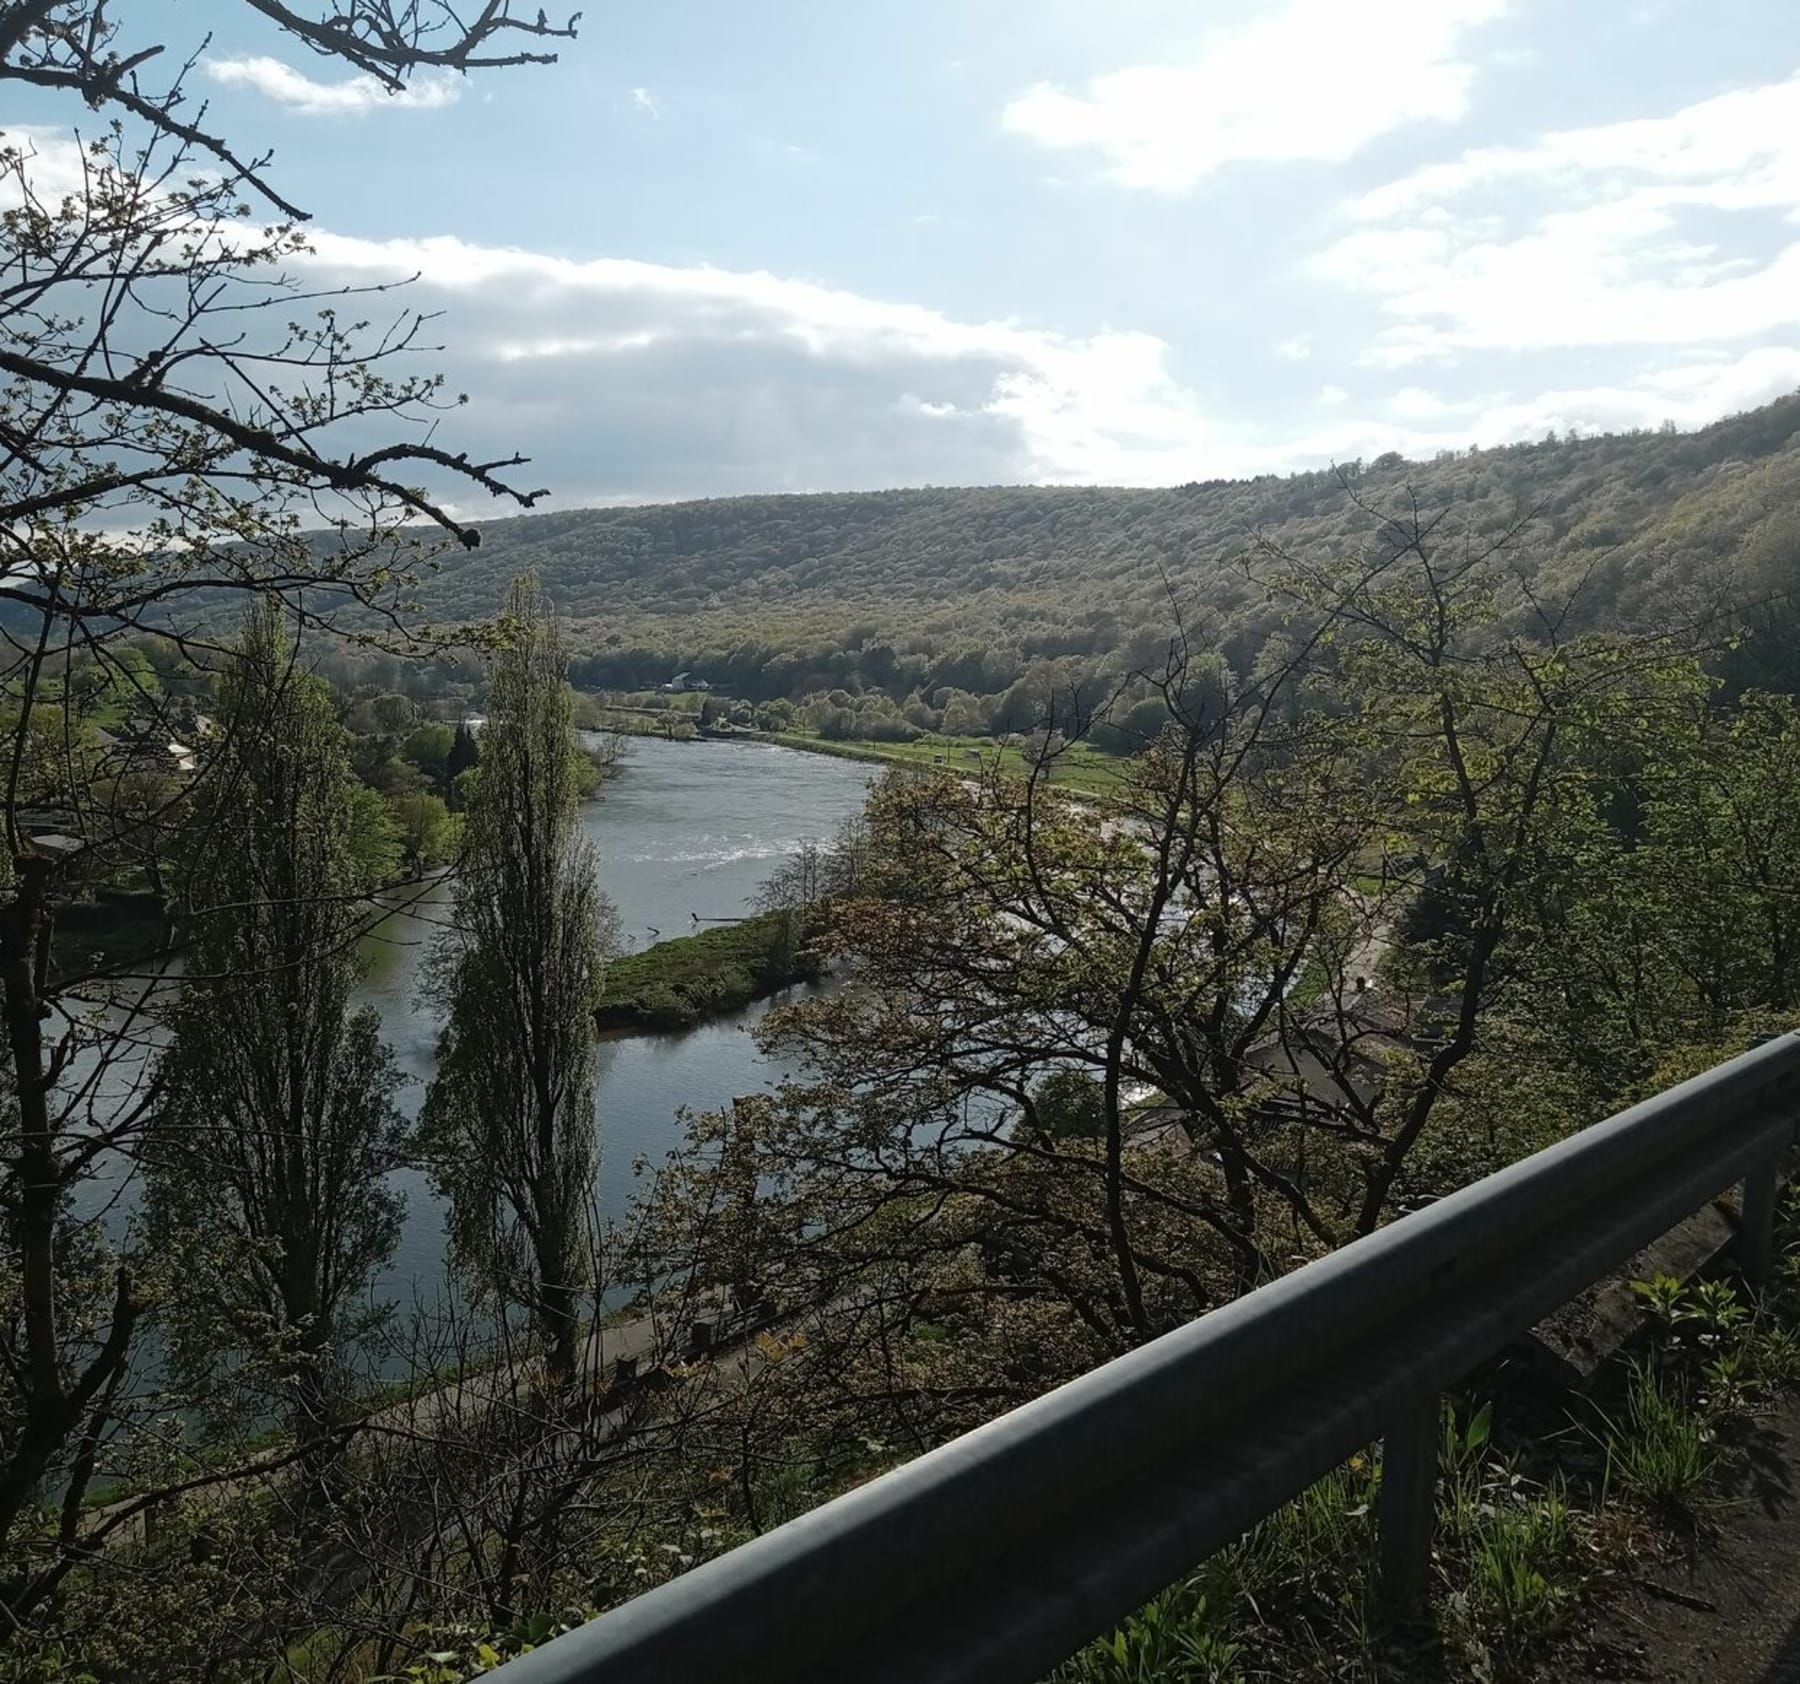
x: 1080, y: 770
x: 679, y: 983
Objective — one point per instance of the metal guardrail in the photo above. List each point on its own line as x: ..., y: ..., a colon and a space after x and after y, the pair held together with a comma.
x: 994, y: 1557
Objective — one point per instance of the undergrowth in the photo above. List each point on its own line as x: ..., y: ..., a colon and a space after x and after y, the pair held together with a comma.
x: 1525, y: 1530
x: 1524, y: 1533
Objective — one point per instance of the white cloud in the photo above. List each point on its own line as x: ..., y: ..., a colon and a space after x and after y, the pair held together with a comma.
x: 1672, y: 230
x: 643, y: 100
x: 1414, y: 403
x: 687, y: 381
x: 50, y: 159
x: 1691, y: 395
x: 627, y: 380
x: 1315, y: 80
x: 287, y: 86
x: 1297, y: 349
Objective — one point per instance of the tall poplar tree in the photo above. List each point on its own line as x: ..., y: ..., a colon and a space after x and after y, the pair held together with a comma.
x: 267, y: 1160
x: 184, y: 404
x: 508, y: 1123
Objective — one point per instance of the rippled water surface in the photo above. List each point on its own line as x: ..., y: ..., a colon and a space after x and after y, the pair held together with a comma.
x: 684, y: 829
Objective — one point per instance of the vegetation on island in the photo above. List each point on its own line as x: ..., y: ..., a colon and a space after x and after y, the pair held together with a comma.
x: 686, y: 980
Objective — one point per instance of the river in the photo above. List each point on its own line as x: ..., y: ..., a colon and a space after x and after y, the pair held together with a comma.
x: 682, y: 829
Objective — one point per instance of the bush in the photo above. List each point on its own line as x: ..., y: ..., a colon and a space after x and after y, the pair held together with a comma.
x: 679, y: 983
x: 1070, y: 1104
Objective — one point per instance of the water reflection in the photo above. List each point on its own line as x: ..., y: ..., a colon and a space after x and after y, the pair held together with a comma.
x: 687, y: 831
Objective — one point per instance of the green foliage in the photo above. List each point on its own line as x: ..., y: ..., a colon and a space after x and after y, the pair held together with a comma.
x: 267, y: 1157
x: 1131, y: 729
x: 1294, y: 1599
x: 1663, y: 1448
x: 373, y: 840
x: 26, y: 1660
x: 956, y: 596
x: 385, y: 714
x: 427, y: 831
x: 1290, y: 1600
x: 1511, y: 1553
x: 1172, y: 1640
x: 429, y: 747
x: 688, y: 979
x: 508, y: 1122
x: 1522, y: 1579
x: 1068, y: 1105
x: 1729, y: 1347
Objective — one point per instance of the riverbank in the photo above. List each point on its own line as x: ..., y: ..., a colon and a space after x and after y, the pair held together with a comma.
x: 1081, y: 771
x: 685, y: 981
x: 109, y: 926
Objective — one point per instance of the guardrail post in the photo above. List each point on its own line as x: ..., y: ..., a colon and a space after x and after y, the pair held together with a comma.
x: 1756, y: 1225
x: 1408, y: 1508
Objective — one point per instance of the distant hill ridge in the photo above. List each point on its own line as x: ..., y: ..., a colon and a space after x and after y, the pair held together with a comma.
x: 728, y: 586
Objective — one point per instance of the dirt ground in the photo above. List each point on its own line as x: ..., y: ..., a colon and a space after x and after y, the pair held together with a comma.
x: 1721, y: 1607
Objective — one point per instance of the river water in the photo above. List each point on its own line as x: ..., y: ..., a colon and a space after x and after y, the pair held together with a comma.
x: 683, y: 829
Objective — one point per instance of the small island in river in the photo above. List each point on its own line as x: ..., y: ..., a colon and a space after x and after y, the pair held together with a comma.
x: 689, y: 979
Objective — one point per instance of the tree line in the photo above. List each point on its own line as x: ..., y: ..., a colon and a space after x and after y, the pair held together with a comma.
x: 956, y: 610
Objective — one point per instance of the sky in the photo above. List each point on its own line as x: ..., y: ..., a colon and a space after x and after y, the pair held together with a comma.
x: 826, y: 245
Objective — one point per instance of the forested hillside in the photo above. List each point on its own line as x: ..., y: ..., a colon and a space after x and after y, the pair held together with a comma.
x: 967, y: 589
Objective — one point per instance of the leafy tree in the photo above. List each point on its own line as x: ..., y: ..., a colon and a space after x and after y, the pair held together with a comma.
x: 1000, y: 933
x: 268, y: 1155
x: 1136, y: 728
x: 1722, y: 843
x: 427, y: 830
x: 1682, y: 928
x: 1396, y: 743
x: 429, y: 748
x: 1068, y: 1104
x: 508, y: 1122
x: 463, y: 758
x: 375, y: 763
x: 963, y: 715
x: 385, y: 715
x: 1486, y: 748
x: 179, y: 413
